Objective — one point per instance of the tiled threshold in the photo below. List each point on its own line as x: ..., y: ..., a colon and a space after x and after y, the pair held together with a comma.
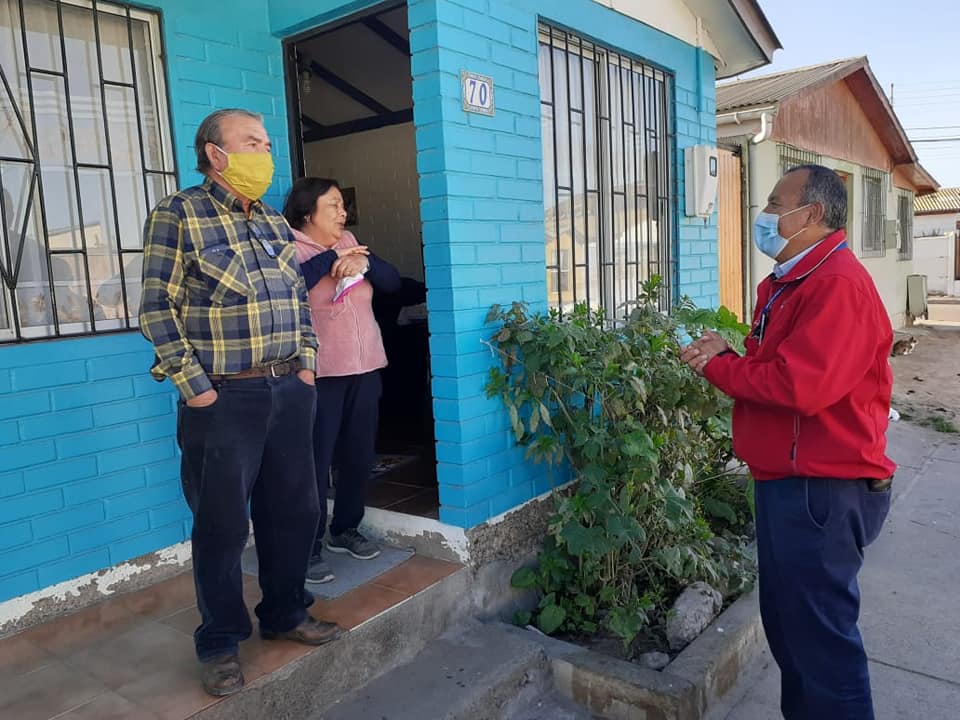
x: 132, y: 656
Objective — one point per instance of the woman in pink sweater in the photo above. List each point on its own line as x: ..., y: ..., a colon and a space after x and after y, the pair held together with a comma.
x: 341, y: 276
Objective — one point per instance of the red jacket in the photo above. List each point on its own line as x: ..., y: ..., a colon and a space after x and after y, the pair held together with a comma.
x: 812, y: 397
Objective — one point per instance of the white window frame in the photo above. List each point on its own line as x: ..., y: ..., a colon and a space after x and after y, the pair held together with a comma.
x: 167, y: 152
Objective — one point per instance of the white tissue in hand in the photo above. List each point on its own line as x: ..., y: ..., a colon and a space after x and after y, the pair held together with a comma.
x: 346, y: 285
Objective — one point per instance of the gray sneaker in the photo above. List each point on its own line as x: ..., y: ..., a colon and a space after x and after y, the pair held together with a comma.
x: 318, y: 571
x: 353, y: 543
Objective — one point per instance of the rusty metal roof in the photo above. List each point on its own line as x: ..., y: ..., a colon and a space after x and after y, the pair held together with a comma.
x: 770, y: 89
x: 945, y: 200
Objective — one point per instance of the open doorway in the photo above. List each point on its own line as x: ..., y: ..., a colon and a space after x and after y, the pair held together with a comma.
x: 350, y: 97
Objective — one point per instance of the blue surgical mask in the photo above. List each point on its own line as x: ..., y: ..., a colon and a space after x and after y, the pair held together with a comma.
x: 766, y: 233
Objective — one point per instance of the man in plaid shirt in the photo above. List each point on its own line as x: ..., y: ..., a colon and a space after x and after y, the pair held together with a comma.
x: 225, y: 307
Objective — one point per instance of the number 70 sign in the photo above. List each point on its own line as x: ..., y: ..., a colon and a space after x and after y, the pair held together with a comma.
x: 477, y: 93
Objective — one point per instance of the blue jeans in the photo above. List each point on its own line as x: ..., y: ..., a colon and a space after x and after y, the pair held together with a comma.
x: 253, y: 445
x: 811, y: 533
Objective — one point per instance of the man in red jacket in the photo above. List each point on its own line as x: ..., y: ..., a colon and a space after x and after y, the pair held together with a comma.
x: 812, y: 398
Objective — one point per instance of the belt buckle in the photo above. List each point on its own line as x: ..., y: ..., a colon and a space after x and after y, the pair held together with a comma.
x: 273, y: 370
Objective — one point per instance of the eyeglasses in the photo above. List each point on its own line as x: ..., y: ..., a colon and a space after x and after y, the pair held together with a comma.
x: 257, y: 233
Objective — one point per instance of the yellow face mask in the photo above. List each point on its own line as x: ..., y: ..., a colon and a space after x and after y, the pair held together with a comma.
x: 250, y: 174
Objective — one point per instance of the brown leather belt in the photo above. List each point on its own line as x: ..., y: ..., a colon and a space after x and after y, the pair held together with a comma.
x: 275, y: 370
x: 875, y: 485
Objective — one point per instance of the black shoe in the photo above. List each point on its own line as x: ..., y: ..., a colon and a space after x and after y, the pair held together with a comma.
x: 221, y: 675
x: 309, y: 632
x: 318, y: 571
x: 353, y: 543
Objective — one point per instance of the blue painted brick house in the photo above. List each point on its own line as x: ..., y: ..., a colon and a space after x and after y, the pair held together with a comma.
x: 562, y: 182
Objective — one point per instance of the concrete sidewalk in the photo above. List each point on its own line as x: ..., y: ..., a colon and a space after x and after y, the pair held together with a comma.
x: 910, y: 584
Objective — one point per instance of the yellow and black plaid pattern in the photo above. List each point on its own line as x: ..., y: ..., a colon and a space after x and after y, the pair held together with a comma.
x: 222, y: 290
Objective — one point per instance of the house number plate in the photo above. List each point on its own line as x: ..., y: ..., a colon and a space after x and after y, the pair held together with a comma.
x: 477, y: 93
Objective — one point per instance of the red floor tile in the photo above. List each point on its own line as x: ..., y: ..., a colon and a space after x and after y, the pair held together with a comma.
x: 18, y: 656
x: 72, y: 633
x: 162, y: 599
x: 416, y: 574
x: 108, y: 706
x: 357, y: 606
x: 47, y: 692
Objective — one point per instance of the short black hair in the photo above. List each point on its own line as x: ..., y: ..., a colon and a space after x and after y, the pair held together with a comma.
x: 825, y: 187
x: 302, y: 199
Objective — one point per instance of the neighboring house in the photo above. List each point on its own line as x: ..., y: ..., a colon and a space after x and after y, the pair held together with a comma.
x: 835, y: 115
x: 579, y: 104
x: 936, y: 240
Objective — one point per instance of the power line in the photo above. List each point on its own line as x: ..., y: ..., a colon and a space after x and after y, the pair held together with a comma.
x: 936, y: 140
x: 935, y: 127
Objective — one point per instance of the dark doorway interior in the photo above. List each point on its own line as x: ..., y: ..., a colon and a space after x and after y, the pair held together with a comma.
x: 351, y: 118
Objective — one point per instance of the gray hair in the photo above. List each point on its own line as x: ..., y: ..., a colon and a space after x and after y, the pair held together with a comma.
x: 825, y: 187
x: 209, y: 132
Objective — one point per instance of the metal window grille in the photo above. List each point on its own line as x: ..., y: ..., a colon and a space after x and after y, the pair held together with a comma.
x: 905, y: 218
x: 791, y: 157
x: 85, y: 152
x: 609, y: 195
x: 874, y: 213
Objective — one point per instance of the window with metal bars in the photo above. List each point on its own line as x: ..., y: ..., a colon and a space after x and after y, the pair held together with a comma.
x: 607, y: 131
x: 873, y: 242
x: 85, y: 152
x: 791, y: 157
x: 905, y: 223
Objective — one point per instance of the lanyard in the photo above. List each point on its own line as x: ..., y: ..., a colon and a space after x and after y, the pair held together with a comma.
x: 761, y: 325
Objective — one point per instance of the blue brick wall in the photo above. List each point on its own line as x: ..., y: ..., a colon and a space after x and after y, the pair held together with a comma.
x: 482, y: 209
x: 88, y: 470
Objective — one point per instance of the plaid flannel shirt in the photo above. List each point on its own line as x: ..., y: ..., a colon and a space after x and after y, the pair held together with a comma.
x: 222, y: 289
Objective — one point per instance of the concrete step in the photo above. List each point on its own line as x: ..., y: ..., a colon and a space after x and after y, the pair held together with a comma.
x: 309, y: 685
x: 472, y: 672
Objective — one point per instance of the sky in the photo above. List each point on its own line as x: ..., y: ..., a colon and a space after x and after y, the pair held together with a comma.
x: 915, y: 46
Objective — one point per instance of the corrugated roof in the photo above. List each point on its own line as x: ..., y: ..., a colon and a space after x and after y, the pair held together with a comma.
x: 769, y: 89
x: 945, y: 200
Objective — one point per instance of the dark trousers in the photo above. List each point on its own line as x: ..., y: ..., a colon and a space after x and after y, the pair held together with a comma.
x: 345, y: 434
x: 811, y: 533
x: 251, y: 446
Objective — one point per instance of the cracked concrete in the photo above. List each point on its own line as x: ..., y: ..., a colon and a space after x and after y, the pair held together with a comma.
x: 909, y: 586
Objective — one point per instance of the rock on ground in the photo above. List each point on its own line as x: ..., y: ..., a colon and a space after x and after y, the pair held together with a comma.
x: 654, y: 660
x: 696, y: 608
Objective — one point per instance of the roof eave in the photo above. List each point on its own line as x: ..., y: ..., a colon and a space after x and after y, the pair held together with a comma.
x: 743, y: 36
x: 922, y: 180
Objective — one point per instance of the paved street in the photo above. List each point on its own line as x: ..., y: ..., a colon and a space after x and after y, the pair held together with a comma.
x: 910, y: 586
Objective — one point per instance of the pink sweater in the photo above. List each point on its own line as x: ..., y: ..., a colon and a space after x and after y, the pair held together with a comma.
x: 348, y: 335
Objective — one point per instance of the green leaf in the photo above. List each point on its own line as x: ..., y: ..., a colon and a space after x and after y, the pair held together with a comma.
x: 493, y: 314
x: 626, y: 623
x: 581, y: 540
x: 551, y: 618
x: 719, y: 509
x: 522, y: 618
x: 534, y: 418
x: 524, y: 579
x: 515, y: 421
x: 545, y: 415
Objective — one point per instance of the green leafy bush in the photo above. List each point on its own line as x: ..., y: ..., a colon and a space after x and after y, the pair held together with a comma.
x: 658, y: 501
